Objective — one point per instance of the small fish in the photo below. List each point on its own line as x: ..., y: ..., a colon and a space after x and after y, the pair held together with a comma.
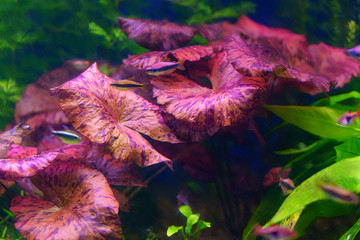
x: 287, y: 185
x: 67, y: 136
x: 340, y: 195
x: 126, y: 84
x: 162, y: 68
x: 274, y: 232
x: 354, y: 52
x: 78, y: 64
x: 348, y: 118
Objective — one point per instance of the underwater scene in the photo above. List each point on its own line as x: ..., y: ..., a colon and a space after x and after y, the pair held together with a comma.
x: 180, y: 119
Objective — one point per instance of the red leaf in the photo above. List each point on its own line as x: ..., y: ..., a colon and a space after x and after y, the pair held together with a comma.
x: 81, y: 206
x: 200, y: 109
x: 49, y: 142
x: 116, y: 171
x: 7, y: 184
x: 312, y: 69
x: 333, y: 63
x: 111, y: 117
x: 156, y: 35
x: 18, y: 152
x: 47, y: 118
x: 17, y: 168
x: 95, y: 156
x: 191, y: 53
x: 197, y: 162
x: 124, y: 204
x: 35, y: 100
x: 11, y: 136
x: 210, y: 31
x: 59, y: 75
x: 29, y: 188
x: 255, y: 30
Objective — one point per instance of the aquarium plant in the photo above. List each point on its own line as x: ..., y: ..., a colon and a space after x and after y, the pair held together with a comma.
x: 84, y: 132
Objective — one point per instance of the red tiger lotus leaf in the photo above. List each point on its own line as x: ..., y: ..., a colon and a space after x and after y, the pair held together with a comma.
x: 17, y: 152
x: 36, y: 106
x: 116, y: 171
x: 47, y: 118
x: 14, y: 135
x: 157, y: 35
x: 27, y: 186
x: 122, y: 199
x: 331, y: 62
x: 35, y: 100
x: 59, y: 75
x: 114, y: 118
x: 78, y: 204
x: 313, y: 69
x: 94, y: 156
x: 255, y: 30
x: 22, y: 162
x: 191, y: 54
x: 230, y: 102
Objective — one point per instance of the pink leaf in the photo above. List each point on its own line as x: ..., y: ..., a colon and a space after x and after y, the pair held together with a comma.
x: 80, y: 205
x: 156, y: 35
x: 17, y: 168
x: 14, y: 135
x: 191, y: 54
x: 111, y: 117
x: 199, y: 111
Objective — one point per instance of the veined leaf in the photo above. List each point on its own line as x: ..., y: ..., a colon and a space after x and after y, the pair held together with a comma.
x: 114, y: 118
x: 78, y: 204
x: 321, y: 121
x: 350, y: 148
x: 344, y: 174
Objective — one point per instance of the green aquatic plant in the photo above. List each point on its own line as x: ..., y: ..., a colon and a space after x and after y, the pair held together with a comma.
x: 205, y: 11
x: 191, y: 220
x: 331, y: 160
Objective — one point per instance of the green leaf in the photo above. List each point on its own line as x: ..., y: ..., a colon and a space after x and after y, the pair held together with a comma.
x: 226, y: 13
x: 192, y: 219
x: 352, y: 232
x: 321, y: 121
x: 345, y: 174
x: 9, y: 213
x: 172, y: 230
x: 350, y: 148
x: 97, y: 30
x: 321, y: 209
x: 198, y: 40
x: 342, y: 97
x: 269, y: 204
x: 185, y: 210
x: 301, y: 149
x: 4, y: 232
x: 201, y: 225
